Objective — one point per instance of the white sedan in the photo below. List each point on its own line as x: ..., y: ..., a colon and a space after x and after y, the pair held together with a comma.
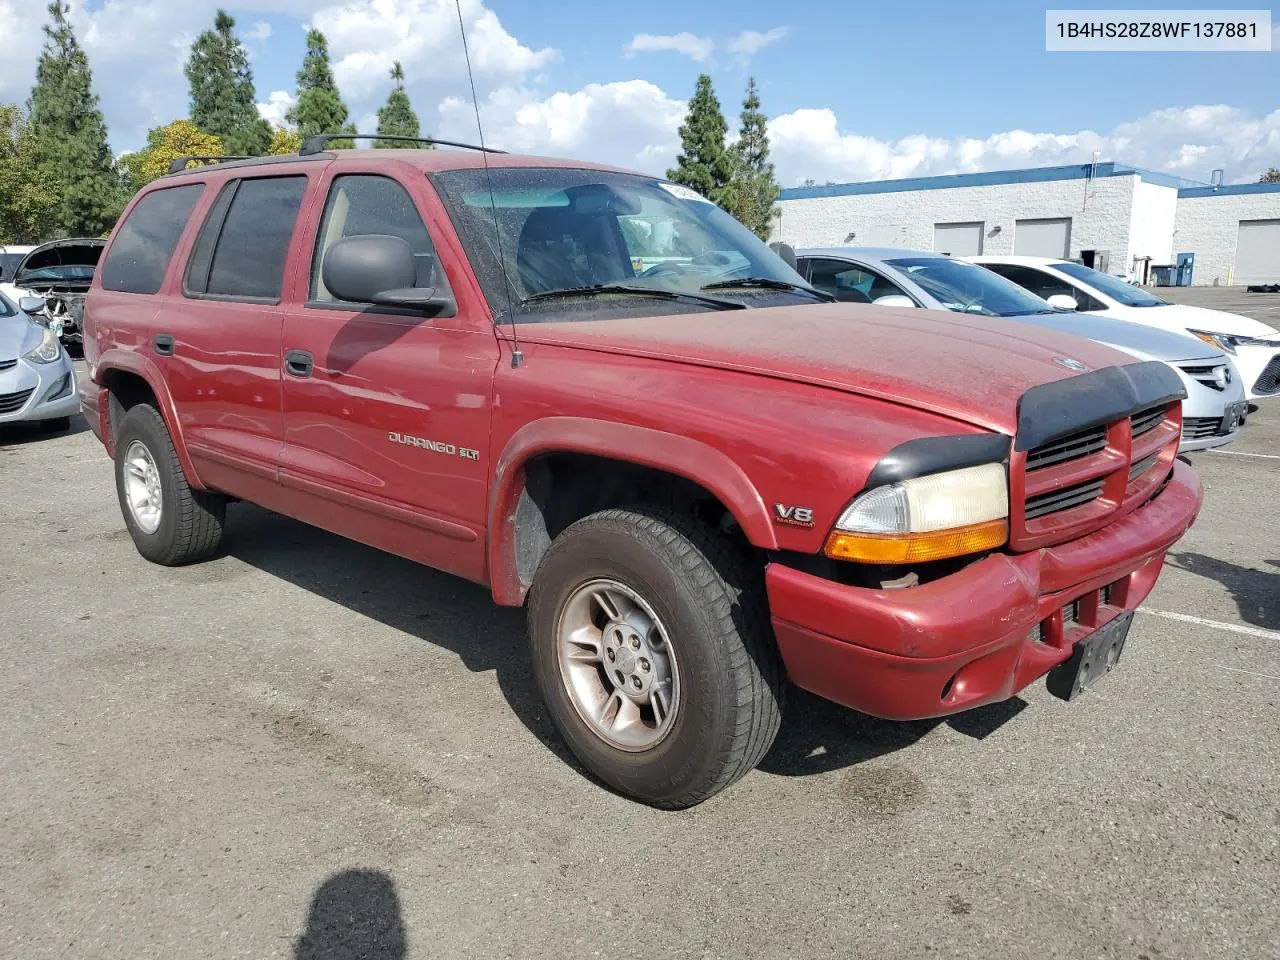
x: 1254, y: 346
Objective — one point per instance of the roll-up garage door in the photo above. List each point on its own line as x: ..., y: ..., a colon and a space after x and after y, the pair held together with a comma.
x: 1042, y: 238
x: 957, y: 239
x: 1257, y: 252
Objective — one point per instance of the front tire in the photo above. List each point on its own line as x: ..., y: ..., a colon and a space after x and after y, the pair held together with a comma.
x: 170, y: 523
x: 652, y: 648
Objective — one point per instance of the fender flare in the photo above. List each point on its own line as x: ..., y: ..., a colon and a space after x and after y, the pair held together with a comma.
x: 128, y: 361
x: 672, y: 453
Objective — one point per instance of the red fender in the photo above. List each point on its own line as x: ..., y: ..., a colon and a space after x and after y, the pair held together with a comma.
x: 669, y: 452
x: 132, y: 362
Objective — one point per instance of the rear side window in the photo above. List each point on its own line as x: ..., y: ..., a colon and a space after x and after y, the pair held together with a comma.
x: 145, y: 242
x: 244, y: 243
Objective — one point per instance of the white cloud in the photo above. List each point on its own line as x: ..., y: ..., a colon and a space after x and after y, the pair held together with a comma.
x: 631, y: 123
x: 260, y: 31
x: 750, y: 42
x: 276, y: 106
x: 697, y: 48
x: 1186, y: 141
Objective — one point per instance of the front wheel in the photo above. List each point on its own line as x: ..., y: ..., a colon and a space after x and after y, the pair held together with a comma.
x: 651, y: 646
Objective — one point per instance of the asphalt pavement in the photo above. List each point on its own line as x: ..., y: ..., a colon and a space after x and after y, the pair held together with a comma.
x: 307, y: 748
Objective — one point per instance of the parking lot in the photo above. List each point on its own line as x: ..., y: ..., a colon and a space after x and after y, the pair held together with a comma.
x: 308, y: 748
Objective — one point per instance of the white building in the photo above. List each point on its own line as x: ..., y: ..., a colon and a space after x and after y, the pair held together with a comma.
x: 1113, y: 217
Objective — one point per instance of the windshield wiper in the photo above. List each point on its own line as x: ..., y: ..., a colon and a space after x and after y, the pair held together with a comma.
x: 768, y: 283
x: 602, y: 289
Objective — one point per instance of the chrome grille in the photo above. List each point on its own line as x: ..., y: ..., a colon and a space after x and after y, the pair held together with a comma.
x: 1082, y: 443
x: 1146, y: 421
x: 1074, y: 496
x: 9, y: 402
x: 1215, y: 376
x: 8, y: 364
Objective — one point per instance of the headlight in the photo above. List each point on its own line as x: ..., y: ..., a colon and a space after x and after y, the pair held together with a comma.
x: 49, y: 350
x: 926, y: 518
x: 1227, y: 342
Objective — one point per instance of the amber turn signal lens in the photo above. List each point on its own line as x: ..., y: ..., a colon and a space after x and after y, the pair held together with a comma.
x: 896, y: 548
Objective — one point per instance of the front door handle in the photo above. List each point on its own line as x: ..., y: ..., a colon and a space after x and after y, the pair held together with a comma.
x: 164, y: 344
x: 299, y: 363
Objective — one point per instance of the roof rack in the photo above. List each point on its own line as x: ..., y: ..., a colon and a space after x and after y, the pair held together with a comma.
x: 181, y: 162
x: 315, y: 144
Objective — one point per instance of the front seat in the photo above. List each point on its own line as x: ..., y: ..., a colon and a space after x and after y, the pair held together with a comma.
x: 560, y: 249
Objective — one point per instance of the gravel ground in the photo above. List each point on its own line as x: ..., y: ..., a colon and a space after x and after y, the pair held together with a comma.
x: 309, y: 749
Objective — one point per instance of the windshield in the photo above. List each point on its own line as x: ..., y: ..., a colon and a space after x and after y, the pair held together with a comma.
x: 567, y: 229
x: 66, y: 271
x: 1115, y: 288
x: 968, y: 288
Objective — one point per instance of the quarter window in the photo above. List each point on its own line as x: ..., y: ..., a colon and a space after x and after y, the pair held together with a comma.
x: 145, y: 242
x: 367, y: 204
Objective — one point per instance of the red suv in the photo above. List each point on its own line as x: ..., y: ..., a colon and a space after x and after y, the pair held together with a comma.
x: 601, y: 396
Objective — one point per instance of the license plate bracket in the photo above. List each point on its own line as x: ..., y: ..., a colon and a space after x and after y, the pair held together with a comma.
x: 1235, y: 413
x: 1091, y: 659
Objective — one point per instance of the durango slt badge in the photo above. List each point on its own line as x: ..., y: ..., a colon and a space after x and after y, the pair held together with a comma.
x: 433, y: 445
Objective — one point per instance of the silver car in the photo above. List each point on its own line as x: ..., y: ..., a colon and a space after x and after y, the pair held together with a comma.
x: 37, y: 380
x: 1215, y: 402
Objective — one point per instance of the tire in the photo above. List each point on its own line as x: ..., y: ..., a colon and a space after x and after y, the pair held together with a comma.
x: 709, y: 604
x: 188, y: 523
x: 56, y: 425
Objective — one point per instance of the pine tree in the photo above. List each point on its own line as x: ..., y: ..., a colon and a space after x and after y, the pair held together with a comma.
x: 704, y: 164
x: 397, y: 118
x: 70, y: 134
x: 754, y: 190
x: 222, y: 94
x: 319, y: 108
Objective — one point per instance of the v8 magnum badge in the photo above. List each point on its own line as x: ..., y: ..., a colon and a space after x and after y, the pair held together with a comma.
x: 792, y: 516
x: 448, y: 449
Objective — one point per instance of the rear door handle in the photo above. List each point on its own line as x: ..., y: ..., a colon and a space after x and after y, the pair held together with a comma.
x: 164, y: 344
x: 299, y: 363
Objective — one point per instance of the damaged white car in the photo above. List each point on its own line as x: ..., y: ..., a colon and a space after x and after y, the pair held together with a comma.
x: 59, y: 273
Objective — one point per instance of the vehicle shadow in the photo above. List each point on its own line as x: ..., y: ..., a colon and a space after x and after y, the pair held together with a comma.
x: 354, y: 915
x: 819, y: 736
x: 1256, y: 592
x: 816, y: 737
x: 17, y: 434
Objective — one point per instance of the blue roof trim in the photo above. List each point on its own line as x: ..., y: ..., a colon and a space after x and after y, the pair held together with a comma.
x: 1228, y: 189
x: 1074, y: 171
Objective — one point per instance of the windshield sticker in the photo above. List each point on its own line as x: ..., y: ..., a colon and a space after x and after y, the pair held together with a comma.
x: 683, y: 193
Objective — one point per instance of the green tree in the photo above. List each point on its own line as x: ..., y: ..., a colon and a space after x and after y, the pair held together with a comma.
x: 1271, y: 176
x: 755, y: 190
x: 284, y: 141
x: 319, y: 108
x: 71, y: 149
x: 704, y: 164
x: 222, y: 94
x: 181, y: 138
x: 28, y: 201
x: 396, y: 118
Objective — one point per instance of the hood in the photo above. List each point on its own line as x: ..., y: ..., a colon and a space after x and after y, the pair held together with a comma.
x: 1135, y: 339
x: 18, y: 334
x: 1215, y: 321
x: 972, y: 369
x: 55, y: 262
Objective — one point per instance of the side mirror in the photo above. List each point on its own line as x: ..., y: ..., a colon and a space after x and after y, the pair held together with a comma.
x: 32, y: 305
x: 1063, y: 301
x: 380, y: 270
x: 894, y: 300
x: 787, y: 253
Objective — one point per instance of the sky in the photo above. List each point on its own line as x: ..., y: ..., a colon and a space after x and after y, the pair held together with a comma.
x: 854, y: 90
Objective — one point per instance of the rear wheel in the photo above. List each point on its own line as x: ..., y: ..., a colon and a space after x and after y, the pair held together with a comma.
x: 652, y: 648
x: 170, y: 523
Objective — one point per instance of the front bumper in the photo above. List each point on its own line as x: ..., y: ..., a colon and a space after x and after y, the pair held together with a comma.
x: 38, y: 391
x: 980, y: 635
